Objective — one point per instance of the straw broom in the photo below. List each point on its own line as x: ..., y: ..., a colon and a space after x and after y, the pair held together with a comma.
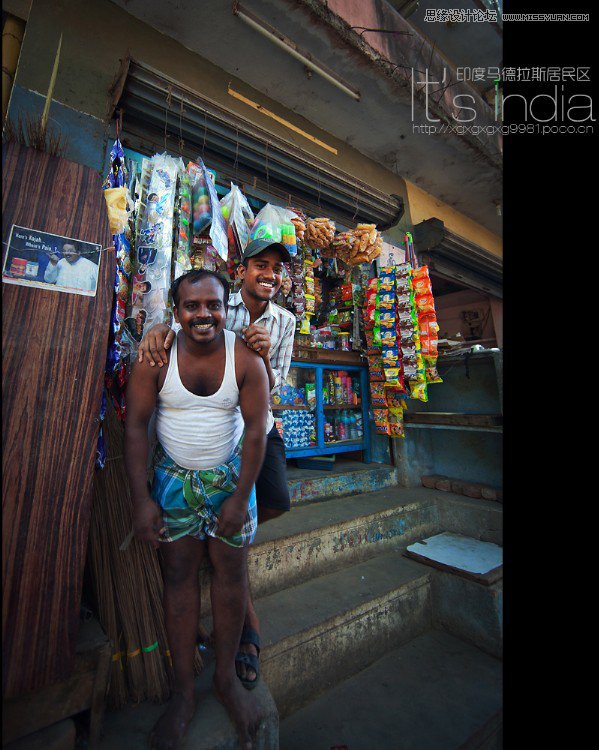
x: 128, y: 585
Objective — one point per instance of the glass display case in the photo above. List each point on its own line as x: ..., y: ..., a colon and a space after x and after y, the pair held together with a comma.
x: 323, y: 409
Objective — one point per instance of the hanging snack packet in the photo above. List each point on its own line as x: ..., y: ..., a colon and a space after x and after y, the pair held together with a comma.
x: 418, y: 391
x: 319, y: 233
x: 396, y: 423
x: 395, y: 395
x: 183, y: 225
x: 425, y: 303
x: 381, y: 421
x: 377, y: 394
x: 432, y: 375
x: 375, y: 368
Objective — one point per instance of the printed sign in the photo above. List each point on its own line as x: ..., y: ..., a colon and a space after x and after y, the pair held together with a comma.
x: 51, y: 261
x: 391, y: 255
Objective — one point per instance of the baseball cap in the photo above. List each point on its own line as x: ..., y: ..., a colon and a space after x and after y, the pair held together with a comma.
x: 256, y: 247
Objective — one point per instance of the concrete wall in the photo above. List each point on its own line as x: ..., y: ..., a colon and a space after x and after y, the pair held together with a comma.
x: 425, y: 206
x: 472, y: 456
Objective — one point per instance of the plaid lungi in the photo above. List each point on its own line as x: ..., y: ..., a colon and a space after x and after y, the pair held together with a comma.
x: 191, y: 499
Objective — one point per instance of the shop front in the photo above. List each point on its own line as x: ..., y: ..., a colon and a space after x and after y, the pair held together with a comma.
x: 335, y: 226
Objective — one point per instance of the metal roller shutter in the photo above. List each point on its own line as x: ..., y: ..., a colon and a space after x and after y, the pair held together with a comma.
x: 158, y: 111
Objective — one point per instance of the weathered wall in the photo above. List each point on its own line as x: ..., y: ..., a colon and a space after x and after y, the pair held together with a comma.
x: 96, y: 36
x: 425, y: 206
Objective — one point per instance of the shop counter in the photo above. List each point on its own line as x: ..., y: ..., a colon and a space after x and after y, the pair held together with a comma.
x: 333, y: 415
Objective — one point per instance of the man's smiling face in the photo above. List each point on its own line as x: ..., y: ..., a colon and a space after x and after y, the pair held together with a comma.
x: 201, y: 309
x: 263, y: 275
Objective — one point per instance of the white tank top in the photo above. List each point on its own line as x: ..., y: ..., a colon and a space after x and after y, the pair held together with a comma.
x: 199, y: 432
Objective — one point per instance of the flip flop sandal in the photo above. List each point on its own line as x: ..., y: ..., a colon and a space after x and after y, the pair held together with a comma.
x: 249, y: 636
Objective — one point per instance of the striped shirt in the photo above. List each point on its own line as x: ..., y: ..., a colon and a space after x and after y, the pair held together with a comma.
x: 279, y: 323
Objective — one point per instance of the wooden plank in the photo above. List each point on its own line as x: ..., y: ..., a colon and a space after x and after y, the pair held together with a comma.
x: 54, y: 347
x: 84, y: 689
x: 327, y: 356
x: 453, y: 418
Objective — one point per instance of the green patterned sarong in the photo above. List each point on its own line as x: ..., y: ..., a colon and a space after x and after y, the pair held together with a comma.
x: 191, y: 499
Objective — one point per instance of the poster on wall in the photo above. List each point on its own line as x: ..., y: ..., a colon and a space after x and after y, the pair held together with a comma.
x: 51, y: 261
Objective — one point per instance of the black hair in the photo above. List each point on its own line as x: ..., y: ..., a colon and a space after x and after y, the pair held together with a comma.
x: 193, y: 277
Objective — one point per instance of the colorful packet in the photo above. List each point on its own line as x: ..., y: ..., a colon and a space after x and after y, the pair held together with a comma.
x: 377, y: 394
x: 418, y: 391
x: 381, y: 422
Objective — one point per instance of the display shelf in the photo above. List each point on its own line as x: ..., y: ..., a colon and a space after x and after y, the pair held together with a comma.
x: 296, y: 407
x: 344, y: 442
x: 318, y: 372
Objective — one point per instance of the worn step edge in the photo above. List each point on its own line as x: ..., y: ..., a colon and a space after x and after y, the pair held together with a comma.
x: 351, y: 628
x: 338, y: 484
x: 287, y: 560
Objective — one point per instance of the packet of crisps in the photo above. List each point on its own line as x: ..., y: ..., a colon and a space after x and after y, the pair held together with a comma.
x: 394, y: 394
x: 418, y: 391
x: 393, y: 376
x: 381, y: 422
x: 378, y: 395
x: 396, y: 423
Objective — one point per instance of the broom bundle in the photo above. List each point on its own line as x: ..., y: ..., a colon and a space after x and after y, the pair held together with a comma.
x: 127, y: 585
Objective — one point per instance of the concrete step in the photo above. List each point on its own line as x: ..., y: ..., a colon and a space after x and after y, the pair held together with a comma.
x: 320, y: 537
x: 433, y: 693
x: 321, y: 631
x: 347, y: 478
x: 469, y: 610
x: 210, y: 729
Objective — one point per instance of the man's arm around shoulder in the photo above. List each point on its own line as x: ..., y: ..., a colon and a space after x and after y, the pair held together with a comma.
x: 142, y: 392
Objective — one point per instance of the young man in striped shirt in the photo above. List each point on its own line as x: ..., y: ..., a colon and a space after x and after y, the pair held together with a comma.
x: 267, y: 329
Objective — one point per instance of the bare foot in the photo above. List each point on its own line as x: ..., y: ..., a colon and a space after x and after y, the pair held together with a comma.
x: 242, y: 709
x: 170, y: 729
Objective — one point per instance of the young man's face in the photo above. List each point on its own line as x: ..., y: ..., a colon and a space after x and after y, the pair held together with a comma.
x: 201, y: 309
x: 263, y: 275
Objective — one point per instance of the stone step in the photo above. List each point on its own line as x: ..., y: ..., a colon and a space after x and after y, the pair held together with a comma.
x: 321, y: 631
x: 346, y: 478
x: 320, y: 537
x: 210, y: 729
x: 433, y: 693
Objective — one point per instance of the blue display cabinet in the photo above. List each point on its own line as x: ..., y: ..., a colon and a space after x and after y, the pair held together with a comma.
x: 330, y: 421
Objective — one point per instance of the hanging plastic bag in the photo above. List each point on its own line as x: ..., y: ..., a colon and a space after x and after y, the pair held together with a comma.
x: 154, y: 247
x: 238, y: 217
x: 274, y: 223
x: 206, y: 209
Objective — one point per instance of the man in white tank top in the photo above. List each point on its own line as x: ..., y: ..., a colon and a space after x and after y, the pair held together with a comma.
x: 268, y: 329
x: 211, y: 403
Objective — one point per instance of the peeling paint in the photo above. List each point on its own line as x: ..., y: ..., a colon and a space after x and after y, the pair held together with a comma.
x: 350, y: 483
